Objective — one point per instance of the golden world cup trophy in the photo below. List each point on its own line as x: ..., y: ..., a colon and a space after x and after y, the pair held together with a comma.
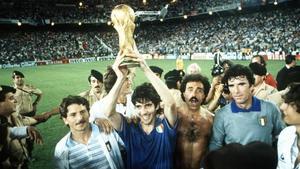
x: 122, y: 17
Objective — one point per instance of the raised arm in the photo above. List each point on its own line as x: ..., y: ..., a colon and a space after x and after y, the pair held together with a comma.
x: 170, y: 110
x: 111, y: 98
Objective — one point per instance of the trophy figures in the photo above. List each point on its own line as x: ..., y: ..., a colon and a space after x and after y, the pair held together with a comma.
x: 122, y: 17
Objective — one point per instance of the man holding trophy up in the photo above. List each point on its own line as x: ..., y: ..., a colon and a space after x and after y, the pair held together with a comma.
x: 149, y: 140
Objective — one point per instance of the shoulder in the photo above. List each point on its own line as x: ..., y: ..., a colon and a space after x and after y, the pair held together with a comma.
x: 84, y: 94
x: 287, y: 132
x: 61, y: 146
x: 206, y: 113
x: 265, y: 104
x: 224, y: 110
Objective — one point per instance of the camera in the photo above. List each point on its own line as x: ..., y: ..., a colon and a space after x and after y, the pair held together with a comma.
x: 217, y: 70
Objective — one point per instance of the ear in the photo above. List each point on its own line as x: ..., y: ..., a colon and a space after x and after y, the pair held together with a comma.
x: 65, y: 121
x: 157, y: 106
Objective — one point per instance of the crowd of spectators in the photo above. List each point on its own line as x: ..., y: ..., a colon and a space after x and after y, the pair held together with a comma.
x: 275, y: 30
x: 96, y: 11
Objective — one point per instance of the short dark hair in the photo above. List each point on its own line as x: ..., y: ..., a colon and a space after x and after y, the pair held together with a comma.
x: 195, y: 78
x: 4, y: 90
x: 262, y: 60
x: 145, y: 92
x: 293, y: 96
x: 110, y: 79
x: 289, y: 59
x: 67, y: 101
x: 228, y: 62
x: 96, y: 74
x: 239, y: 70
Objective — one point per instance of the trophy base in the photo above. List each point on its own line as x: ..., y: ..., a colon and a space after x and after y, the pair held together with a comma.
x: 130, y: 64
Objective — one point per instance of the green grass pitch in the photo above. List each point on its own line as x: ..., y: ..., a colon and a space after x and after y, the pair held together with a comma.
x: 58, y: 81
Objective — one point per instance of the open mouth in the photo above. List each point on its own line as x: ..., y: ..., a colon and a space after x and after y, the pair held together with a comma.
x: 194, y: 100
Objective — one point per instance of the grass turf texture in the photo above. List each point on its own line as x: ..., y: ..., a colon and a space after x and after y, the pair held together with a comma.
x: 58, y: 81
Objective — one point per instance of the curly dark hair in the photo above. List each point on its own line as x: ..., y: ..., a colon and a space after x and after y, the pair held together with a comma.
x: 195, y: 78
x: 145, y: 92
x: 4, y: 90
x: 67, y: 101
x: 239, y: 70
x: 293, y: 96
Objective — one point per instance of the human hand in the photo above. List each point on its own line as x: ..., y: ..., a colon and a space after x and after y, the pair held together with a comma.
x: 121, y: 71
x: 34, y: 135
x: 105, y: 125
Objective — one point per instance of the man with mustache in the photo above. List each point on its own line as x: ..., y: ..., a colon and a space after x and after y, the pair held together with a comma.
x: 24, y: 95
x: 195, y: 123
x: 96, y: 92
x: 14, y: 149
x: 246, y: 118
x: 86, y: 145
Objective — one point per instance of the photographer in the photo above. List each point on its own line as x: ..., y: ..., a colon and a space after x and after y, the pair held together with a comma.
x: 219, y: 94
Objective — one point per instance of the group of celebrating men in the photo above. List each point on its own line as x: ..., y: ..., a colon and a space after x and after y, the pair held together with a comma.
x: 186, y: 122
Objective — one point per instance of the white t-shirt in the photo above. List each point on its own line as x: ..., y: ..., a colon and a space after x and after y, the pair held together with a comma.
x: 127, y: 110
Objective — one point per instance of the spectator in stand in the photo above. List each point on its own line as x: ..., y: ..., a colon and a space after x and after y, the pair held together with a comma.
x: 269, y: 79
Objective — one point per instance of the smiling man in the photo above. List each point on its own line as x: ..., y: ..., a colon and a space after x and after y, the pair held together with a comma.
x: 246, y: 118
x: 288, y: 141
x: 149, y: 141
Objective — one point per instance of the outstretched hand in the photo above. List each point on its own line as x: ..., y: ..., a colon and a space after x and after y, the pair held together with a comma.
x: 34, y: 135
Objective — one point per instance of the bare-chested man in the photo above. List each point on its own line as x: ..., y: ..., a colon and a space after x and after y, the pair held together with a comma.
x: 195, y: 123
